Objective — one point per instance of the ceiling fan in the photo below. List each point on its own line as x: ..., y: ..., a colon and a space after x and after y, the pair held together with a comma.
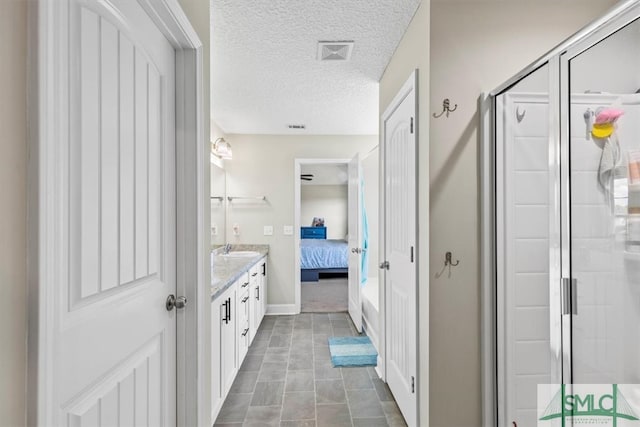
x: 306, y: 176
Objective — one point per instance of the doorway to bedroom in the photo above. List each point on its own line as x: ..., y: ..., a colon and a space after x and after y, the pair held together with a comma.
x: 336, y: 205
x: 322, y: 231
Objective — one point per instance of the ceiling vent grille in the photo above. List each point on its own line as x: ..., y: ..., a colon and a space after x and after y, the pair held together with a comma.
x: 335, y: 51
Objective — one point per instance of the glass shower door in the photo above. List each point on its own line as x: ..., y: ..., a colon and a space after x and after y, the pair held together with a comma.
x: 528, y: 258
x: 602, y: 211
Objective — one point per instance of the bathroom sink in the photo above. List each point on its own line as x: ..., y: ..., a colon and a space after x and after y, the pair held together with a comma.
x: 241, y: 254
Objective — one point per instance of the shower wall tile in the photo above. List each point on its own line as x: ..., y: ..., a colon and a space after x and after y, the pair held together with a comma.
x: 531, y: 188
x: 591, y: 255
x: 591, y: 221
x: 532, y: 255
x: 585, y: 155
x: 536, y: 353
x: 585, y: 189
x: 531, y: 222
x: 526, y: 391
x: 531, y: 154
x: 531, y: 323
x: 532, y: 289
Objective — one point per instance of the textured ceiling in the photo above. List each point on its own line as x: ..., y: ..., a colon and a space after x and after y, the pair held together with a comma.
x: 265, y: 72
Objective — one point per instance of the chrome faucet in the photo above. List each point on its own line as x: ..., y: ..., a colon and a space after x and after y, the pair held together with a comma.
x: 226, y: 249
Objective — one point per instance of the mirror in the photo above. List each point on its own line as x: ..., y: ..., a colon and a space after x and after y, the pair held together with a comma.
x: 218, y: 205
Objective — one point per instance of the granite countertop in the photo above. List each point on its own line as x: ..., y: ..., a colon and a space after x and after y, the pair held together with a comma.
x: 226, y: 270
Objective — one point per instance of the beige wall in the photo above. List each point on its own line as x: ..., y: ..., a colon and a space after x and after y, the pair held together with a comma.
x: 13, y: 180
x: 475, y: 46
x: 263, y: 165
x: 328, y: 202
x: 412, y: 53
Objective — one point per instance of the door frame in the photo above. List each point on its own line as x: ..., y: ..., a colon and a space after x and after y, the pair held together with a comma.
x: 297, y: 167
x: 46, y: 72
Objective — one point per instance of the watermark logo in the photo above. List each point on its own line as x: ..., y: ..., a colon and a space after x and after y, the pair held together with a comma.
x: 567, y: 405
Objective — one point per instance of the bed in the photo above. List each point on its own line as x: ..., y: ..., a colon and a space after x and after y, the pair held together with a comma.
x: 320, y: 255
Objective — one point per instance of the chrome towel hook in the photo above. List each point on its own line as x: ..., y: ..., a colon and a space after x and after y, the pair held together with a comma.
x: 446, y: 109
x: 448, y: 262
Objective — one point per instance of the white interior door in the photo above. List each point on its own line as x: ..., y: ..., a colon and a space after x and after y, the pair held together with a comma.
x: 355, y: 240
x: 115, y: 342
x: 400, y: 254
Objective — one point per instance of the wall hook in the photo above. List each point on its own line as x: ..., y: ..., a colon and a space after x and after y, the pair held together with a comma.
x: 448, y: 262
x: 446, y: 109
x: 519, y: 115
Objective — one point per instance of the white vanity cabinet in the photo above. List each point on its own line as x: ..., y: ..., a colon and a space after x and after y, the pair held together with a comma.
x: 224, y: 360
x: 235, y: 318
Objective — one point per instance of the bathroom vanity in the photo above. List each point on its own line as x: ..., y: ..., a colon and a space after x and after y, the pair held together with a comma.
x: 238, y: 305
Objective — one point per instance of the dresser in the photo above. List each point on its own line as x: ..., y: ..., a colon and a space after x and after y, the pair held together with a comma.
x: 313, y: 232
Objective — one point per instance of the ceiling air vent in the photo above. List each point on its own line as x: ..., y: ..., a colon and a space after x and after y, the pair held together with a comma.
x: 296, y: 126
x: 335, y: 51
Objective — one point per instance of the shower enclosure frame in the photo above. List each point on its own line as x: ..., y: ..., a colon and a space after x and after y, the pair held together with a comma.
x: 558, y: 61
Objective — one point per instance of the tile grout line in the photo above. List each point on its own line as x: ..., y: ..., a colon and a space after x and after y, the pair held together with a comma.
x: 286, y: 374
x: 346, y: 395
x: 258, y: 378
x: 313, y: 357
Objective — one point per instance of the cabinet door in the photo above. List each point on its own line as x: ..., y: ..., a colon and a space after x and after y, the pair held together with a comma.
x: 218, y: 313
x: 254, y: 283
x: 243, y: 341
x: 228, y: 343
x: 243, y: 323
x: 262, y: 295
x: 255, y: 308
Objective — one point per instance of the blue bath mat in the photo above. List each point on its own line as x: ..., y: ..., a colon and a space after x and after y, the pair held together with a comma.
x: 352, y: 351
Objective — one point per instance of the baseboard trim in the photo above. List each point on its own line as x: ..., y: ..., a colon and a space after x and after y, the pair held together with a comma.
x: 371, y: 333
x: 281, y: 309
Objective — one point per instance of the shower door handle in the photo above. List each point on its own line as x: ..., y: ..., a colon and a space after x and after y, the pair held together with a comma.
x: 569, y: 296
x: 574, y: 297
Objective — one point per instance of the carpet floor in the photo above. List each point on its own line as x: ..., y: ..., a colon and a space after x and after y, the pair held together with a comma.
x: 325, y: 296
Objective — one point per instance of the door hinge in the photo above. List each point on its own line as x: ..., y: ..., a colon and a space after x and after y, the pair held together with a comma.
x: 411, y: 253
x: 384, y: 265
x: 411, y: 124
x: 413, y: 384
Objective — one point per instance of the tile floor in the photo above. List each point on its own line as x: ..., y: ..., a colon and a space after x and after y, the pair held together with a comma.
x: 287, y: 380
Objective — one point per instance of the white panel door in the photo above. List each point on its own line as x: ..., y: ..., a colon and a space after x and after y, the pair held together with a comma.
x: 355, y: 240
x: 115, y: 342
x: 400, y: 240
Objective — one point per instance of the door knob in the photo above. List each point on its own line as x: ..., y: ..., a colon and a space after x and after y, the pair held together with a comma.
x: 172, y: 301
